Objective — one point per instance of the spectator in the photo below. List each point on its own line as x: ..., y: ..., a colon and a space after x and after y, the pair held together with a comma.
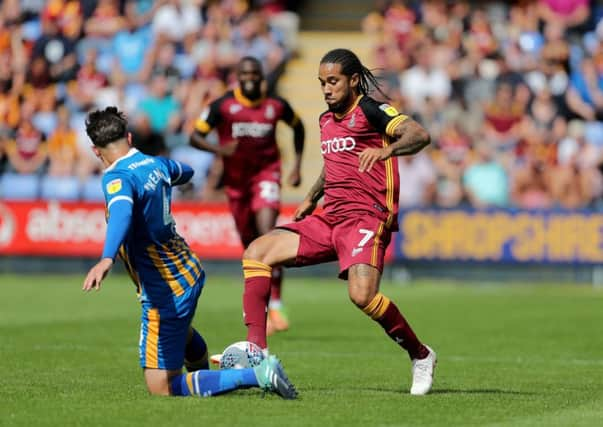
x: 62, y: 146
x: 27, y: 152
x: 485, y: 180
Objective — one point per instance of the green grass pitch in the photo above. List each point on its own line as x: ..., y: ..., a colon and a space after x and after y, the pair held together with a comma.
x: 509, y: 355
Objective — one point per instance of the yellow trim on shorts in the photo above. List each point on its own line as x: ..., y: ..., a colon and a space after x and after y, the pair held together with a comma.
x: 152, y: 341
x: 376, y: 241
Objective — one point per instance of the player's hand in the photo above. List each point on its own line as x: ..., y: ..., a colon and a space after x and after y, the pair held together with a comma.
x: 228, y: 149
x: 303, y: 210
x: 294, y: 179
x: 370, y: 156
x: 96, y: 274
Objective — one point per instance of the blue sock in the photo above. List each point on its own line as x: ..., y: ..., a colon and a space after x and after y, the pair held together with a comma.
x: 212, y: 383
x: 195, y: 354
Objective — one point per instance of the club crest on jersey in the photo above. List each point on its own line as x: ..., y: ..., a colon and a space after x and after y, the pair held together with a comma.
x: 389, y: 110
x: 235, y: 108
x: 352, y: 121
x: 114, y: 186
x: 269, y: 113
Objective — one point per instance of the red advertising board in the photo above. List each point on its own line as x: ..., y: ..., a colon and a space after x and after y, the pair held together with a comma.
x: 78, y: 229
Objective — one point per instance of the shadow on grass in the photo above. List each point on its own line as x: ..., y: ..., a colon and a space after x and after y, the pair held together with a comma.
x: 480, y: 391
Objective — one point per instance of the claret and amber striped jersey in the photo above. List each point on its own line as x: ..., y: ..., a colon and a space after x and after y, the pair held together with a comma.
x: 366, y: 124
x: 138, y: 191
x: 253, y: 125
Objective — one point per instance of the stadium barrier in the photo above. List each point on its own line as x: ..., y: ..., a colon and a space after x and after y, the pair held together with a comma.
x: 426, y: 235
x: 500, y: 236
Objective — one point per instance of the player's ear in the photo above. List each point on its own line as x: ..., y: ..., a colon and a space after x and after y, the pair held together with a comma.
x: 354, y: 80
x: 96, y: 151
x: 129, y: 139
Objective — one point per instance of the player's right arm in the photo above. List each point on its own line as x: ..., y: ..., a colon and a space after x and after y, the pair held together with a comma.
x: 314, y: 195
x: 119, y: 196
x: 208, y: 120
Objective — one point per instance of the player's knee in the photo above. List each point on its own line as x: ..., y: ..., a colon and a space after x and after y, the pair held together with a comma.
x: 157, y: 389
x: 256, y: 251
x: 360, y: 299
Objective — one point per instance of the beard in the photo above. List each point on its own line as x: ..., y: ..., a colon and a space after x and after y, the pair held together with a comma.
x: 341, y: 106
x: 251, y: 90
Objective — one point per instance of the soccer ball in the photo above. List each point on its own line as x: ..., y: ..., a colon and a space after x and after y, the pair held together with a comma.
x: 242, y: 354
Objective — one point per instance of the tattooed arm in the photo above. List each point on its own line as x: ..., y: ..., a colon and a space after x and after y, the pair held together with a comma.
x: 410, y: 137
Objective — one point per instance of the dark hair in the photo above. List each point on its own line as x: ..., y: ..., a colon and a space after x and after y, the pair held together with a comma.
x: 350, y: 65
x: 106, y: 126
x: 256, y: 62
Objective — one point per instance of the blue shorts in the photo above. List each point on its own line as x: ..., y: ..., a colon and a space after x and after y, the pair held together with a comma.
x: 164, y: 330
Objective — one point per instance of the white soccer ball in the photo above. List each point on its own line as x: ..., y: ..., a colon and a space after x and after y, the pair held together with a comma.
x: 242, y: 354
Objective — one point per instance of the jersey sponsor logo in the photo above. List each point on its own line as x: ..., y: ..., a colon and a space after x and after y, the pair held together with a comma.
x: 235, y: 108
x: 337, y: 145
x: 252, y: 129
x: 389, y: 110
x: 114, y: 186
x: 269, y: 113
x: 135, y: 165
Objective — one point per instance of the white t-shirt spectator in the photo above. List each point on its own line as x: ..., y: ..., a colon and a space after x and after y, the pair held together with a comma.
x: 177, y: 22
x: 418, y: 83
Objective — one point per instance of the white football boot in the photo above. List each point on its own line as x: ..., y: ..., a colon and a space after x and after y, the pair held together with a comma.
x: 422, y: 373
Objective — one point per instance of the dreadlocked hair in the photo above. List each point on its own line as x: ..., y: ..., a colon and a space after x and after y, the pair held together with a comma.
x: 350, y: 65
x: 106, y: 126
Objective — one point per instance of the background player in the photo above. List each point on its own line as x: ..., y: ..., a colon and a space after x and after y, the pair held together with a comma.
x: 167, y: 274
x: 246, y: 119
x: 358, y: 136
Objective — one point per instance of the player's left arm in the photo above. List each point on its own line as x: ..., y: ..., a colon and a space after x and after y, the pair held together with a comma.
x: 409, y: 136
x: 299, y: 137
x: 119, y: 196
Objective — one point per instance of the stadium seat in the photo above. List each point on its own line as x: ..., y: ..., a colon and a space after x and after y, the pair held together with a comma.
x: 92, y: 190
x: 14, y: 186
x: 60, y: 188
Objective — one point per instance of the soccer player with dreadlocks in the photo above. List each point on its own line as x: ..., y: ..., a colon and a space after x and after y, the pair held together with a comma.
x: 359, y: 139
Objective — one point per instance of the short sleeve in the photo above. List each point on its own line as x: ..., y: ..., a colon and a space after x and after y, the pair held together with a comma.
x: 117, y: 188
x: 382, y: 116
x: 289, y: 116
x: 209, y: 117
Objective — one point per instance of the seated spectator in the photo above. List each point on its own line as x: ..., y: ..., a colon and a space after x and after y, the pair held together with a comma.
x: 485, y: 180
x: 502, y: 118
x: 424, y: 81
x: 84, y: 89
x: 570, y: 13
x: 62, y: 146
x: 161, y: 107
x: 131, y: 47
x: 177, y: 22
x: 531, y: 185
x: 419, y: 177
x: 27, y: 152
x: 57, y: 50
x: 585, y: 93
x: 106, y: 20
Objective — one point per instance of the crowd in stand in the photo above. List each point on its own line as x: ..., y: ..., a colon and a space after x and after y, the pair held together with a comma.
x: 161, y: 61
x: 511, y: 92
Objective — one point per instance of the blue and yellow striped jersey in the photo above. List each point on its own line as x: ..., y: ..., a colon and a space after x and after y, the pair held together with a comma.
x: 138, y: 193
